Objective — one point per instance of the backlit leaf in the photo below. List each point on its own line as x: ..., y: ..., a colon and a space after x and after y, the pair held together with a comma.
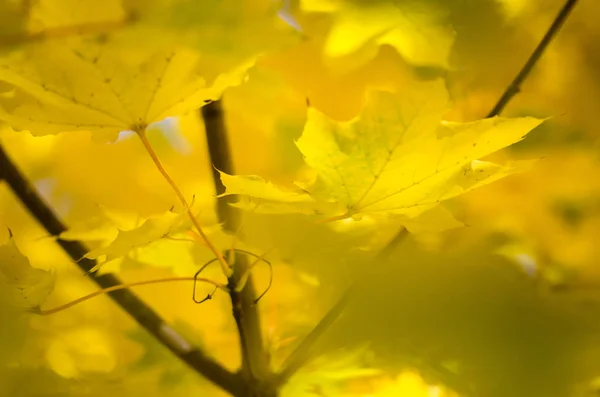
x: 151, y: 230
x: 83, y: 85
x: 24, y: 286
x: 397, y: 157
x: 266, y: 196
x: 414, y: 29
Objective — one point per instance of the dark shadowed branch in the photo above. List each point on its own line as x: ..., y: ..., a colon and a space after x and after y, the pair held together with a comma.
x: 130, y: 302
x: 255, y: 363
x: 515, y: 86
x: 305, y: 350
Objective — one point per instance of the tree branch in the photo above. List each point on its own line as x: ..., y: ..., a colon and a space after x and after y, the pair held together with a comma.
x: 128, y: 301
x: 304, y: 352
x: 515, y: 86
x: 255, y: 363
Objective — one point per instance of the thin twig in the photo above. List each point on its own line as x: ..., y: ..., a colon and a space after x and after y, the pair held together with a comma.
x: 304, y: 352
x: 255, y: 363
x: 131, y: 303
x: 47, y: 312
x: 210, y: 295
x: 515, y: 86
x: 242, y: 283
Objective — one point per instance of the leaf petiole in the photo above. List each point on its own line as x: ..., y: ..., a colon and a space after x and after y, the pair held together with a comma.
x: 60, y: 308
x: 141, y: 132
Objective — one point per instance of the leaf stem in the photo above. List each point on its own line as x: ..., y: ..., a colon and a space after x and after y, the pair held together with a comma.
x: 131, y: 303
x: 102, y: 291
x: 224, y: 265
x: 334, y: 218
x: 515, y: 86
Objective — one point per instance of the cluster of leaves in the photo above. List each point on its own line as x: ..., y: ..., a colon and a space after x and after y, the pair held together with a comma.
x: 361, y: 118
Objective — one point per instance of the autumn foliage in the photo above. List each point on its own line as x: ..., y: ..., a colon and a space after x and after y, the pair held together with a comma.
x: 267, y: 198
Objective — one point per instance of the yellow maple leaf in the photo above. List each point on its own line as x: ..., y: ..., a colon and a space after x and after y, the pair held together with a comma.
x: 397, y: 157
x: 24, y: 286
x: 415, y: 29
x: 159, y: 241
x: 110, y: 66
x: 151, y: 230
x: 101, y: 87
x: 266, y: 196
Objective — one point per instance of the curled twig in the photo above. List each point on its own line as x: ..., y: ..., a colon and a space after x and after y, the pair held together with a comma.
x: 210, y: 295
x: 259, y: 258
